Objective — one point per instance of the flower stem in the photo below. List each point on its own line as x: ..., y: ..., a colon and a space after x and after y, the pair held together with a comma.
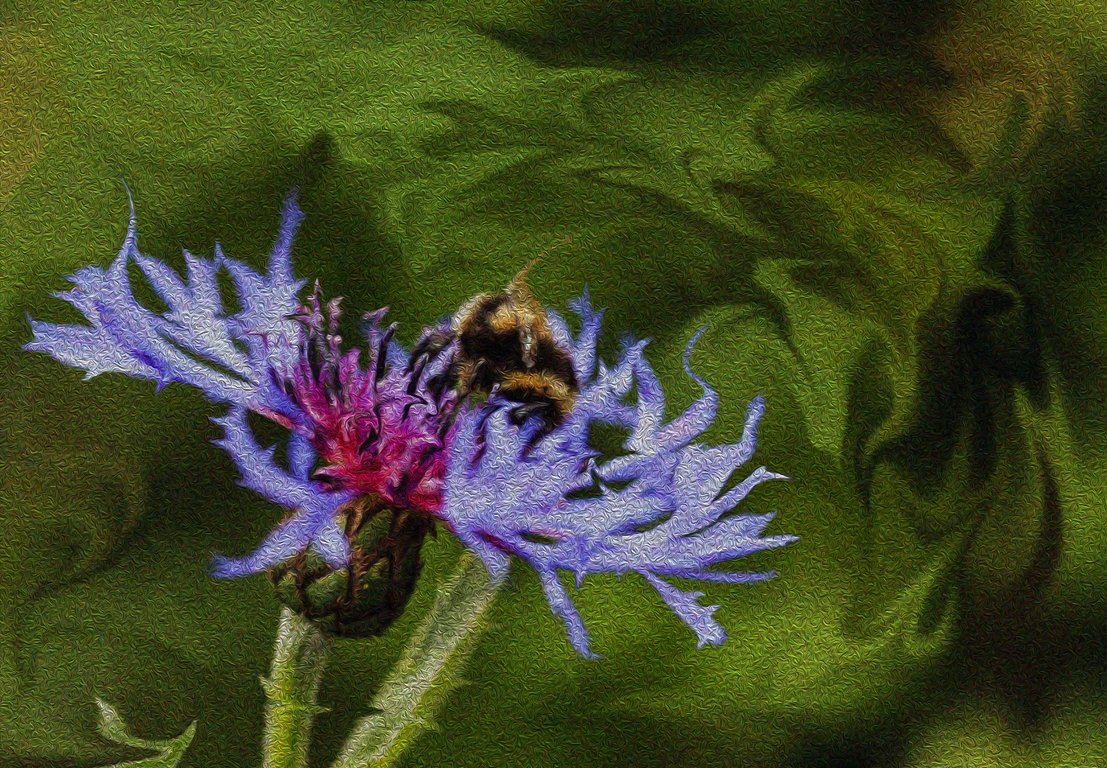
x: 428, y: 670
x: 299, y: 656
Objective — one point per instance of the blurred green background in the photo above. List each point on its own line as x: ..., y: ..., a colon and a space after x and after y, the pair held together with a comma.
x: 891, y: 214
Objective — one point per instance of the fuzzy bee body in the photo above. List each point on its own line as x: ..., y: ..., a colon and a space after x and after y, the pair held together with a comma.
x: 505, y: 345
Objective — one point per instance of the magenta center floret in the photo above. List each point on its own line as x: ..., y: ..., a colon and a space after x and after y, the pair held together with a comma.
x: 376, y: 431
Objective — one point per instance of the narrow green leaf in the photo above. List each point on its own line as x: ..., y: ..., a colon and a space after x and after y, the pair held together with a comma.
x: 426, y: 673
x: 113, y: 728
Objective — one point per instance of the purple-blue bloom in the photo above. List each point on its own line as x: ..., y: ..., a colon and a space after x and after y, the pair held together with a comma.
x: 663, y: 509
x: 373, y: 429
x: 660, y: 510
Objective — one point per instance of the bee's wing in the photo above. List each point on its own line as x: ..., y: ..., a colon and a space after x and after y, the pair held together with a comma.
x: 465, y: 311
x: 528, y: 341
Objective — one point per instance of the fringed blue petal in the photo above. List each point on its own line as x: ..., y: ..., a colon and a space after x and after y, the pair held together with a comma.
x: 285, y: 541
x: 698, y: 417
x: 661, y: 510
x: 92, y: 349
x: 562, y: 606
x: 686, y: 605
x: 314, y: 524
x: 194, y: 341
x: 584, y: 347
x: 722, y: 577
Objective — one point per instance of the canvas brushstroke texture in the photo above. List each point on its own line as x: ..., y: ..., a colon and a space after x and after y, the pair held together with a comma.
x: 890, y: 218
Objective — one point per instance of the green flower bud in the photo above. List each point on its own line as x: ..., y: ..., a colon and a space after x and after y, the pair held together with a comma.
x: 364, y: 598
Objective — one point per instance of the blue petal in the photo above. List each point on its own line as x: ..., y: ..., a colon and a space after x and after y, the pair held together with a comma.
x: 280, y: 259
x: 686, y: 605
x: 668, y: 517
x: 330, y: 542
x: 606, y: 515
x: 584, y: 349
x: 89, y: 348
x: 700, y: 414
x: 563, y: 607
x: 651, y: 406
x: 259, y: 473
x: 703, y: 470
x: 193, y: 342
x: 315, y: 522
x: 698, y: 510
x: 285, y: 541
x: 559, y: 329
x: 205, y: 288
x: 193, y: 321
x: 710, y: 548
x: 301, y: 456
x: 722, y: 577
x: 496, y: 561
x: 729, y: 499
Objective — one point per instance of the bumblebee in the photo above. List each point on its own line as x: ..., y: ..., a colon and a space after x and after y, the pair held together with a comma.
x: 505, y: 346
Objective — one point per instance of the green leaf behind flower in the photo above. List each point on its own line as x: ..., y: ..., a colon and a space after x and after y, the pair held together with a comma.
x: 171, y: 751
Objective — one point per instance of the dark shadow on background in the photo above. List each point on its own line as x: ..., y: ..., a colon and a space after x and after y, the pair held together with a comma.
x: 597, y: 33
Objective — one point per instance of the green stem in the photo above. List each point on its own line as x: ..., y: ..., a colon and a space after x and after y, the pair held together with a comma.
x: 299, y: 656
x: 428, y: 670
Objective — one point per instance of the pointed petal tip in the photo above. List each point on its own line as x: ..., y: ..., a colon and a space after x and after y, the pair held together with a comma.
x: 290, y: 206
x: 698, y: 334
x: 714, y: 640
x: 583, y: 646
x: 223, y: 567
x: 130, y: 242
x: 629, y: 345
x: 688, y: 359
x: 583, y: 302
x: 34, y: 344
x: 130, y: 197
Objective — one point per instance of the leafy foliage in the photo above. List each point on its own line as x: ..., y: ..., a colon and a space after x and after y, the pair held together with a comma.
x: 113, y: 728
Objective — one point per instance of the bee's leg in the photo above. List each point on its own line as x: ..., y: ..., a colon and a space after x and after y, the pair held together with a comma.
x: 462, y: 375
x: 543, y: 413
x: 520, y: 413
x: 448, y: 379
x: 479, y: 377
x: 429, y: 347
x: 470, y: 377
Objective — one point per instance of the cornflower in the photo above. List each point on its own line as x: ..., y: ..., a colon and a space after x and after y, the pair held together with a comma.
x: 375, y: 457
